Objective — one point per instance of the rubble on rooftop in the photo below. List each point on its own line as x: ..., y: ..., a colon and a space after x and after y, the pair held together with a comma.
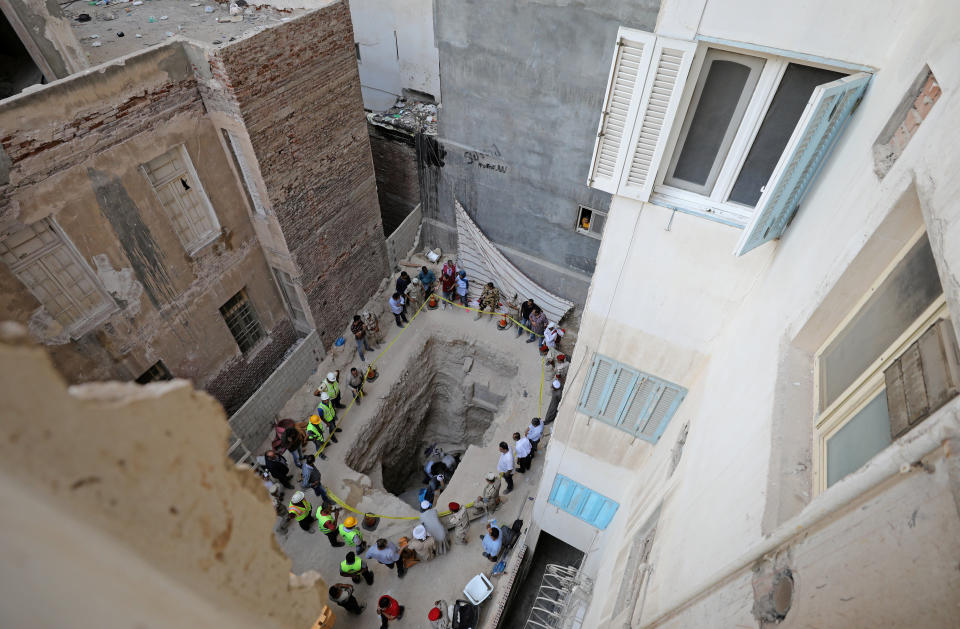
x: 409, y: 116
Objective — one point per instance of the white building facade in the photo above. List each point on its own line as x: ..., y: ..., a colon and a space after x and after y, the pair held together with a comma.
x: 760, y: 424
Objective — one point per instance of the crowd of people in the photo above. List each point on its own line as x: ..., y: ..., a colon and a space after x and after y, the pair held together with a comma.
x: 430, y: 537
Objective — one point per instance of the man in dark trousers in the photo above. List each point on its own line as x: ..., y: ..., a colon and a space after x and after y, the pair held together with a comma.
x: 277, y: 468
x: 526, y: 309
x: 342, y: 595
x: 556, y: 392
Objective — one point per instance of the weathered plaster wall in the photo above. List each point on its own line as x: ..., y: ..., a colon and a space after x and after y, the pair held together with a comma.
x: 297, y: 89
x: 523, y: 86
x: 735, y: 332
x: 47, y: 35
x: 75, y: 149
x: 142, y: 520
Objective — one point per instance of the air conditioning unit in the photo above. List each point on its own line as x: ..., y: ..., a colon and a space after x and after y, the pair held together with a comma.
x: 924, y: 378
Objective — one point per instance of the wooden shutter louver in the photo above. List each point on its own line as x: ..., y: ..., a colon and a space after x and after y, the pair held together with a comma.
x: 830, y: 107
x: 631, y: 59
x: 658, y: 106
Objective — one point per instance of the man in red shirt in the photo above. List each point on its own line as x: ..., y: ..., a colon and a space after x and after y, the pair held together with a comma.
x: 389, y: 609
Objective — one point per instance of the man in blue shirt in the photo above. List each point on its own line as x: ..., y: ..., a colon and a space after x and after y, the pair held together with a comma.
x: 427, y: 279
x: 311, y: 479
x: 388, y: 554
x: 491, y: 543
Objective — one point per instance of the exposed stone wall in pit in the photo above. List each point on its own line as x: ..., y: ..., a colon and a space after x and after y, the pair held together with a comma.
x: 437, y: 400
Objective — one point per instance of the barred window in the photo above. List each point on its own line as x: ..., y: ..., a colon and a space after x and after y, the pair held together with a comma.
x: 242, y: 320
x: 157, y: 372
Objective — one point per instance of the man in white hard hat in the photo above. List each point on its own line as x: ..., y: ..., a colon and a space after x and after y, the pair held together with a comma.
x: 300, y: 510
x: 328, y: 415
x: 332, y: 388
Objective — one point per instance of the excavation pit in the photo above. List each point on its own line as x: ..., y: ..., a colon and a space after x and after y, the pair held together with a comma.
x: 448, y: 396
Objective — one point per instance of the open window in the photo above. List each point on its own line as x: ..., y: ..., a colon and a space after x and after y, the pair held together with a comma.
x: 891, y: 363
x: 590, y: 222
x: 732, y: 135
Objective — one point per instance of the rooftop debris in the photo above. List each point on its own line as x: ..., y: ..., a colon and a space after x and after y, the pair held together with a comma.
x: 409, y: 116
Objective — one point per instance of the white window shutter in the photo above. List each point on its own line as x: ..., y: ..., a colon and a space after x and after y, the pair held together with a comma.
x: 658, y: 106
x: 631, y: 59
x: 830, y: 107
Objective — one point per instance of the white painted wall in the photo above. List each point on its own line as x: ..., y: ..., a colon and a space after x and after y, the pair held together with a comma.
x: 397, y: 49
x: 678, y: 304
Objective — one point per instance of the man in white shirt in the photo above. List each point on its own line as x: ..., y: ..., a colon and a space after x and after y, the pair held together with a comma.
x: 551, y: 338
x: 534, y: 433
x: 397, y: 302
x: 524, y: 452
x: 505, y: 465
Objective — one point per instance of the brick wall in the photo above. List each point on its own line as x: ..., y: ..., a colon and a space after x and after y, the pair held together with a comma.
x: 395, y: 162
x: 251, y: 422
x: 905, y: 121
x: 298, y: 91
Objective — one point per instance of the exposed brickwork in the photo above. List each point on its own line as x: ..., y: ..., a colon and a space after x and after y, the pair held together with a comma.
x: 905, y: 122
x: 298, y: 91
x: 395, y: 162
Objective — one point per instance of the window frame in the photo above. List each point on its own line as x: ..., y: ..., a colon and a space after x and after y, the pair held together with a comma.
x: 248, y: 303
x: 715, y: 206
x: 91, y: 319
x: 157, y: 372
x: 582, y: 493
x: 593, y: 212
x: 827, y: 421
x: 192, y: 248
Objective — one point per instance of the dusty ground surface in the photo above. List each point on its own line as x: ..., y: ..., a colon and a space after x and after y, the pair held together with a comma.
x: 445, y: 576
x: 187, y: 18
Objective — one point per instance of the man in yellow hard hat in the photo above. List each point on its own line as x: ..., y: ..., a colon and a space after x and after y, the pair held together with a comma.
x: 315, y: 434
x: 350, y: 534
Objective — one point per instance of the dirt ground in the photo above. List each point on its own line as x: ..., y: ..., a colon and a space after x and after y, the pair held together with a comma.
x: 187, y: 18
x: 445, y: 576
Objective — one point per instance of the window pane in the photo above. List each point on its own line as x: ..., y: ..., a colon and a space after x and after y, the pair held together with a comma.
x: 720, y: 104
x: 781, y: 119
x: 899, y: 301
x: 862, y: 437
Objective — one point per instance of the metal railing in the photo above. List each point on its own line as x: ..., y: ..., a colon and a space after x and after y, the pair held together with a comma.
x: 561, y: 600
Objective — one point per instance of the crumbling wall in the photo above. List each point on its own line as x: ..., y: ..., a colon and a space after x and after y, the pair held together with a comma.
x: 140, y: 494
x: 395, y: 163
x: 298, y: 91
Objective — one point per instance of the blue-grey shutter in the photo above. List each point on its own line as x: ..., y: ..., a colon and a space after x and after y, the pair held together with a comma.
x: 828, y: 110
x: 595, y: 388
x: 595, y: 509
x: 639, y: 406
x: 668, y: 398
x: 621, y: 386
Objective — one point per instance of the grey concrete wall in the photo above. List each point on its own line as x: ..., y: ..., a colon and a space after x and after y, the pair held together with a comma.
x: 522, y: 89
x: 252, y: 421
x: 404, y: 237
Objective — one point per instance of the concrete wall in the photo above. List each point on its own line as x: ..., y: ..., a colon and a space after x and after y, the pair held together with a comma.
x: 403, y: 239
x: 47, y: 36
x: 739, y: 334
x: 297, y: 90
x: 252, y: 421
x: 141, y: 521
x: 523, y: 85
x: 75, y: 148
x: 398, y: 184
x: 398, y: 50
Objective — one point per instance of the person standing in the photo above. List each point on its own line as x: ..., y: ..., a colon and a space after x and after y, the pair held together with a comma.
x: 360, y: 335
x: 397, y: 305
x: 534, y: 433
x: 551, y: 338
x: 328, y: 414
x: 372, y: 324
x: 389, y: 609
x: 556, y: 392
x: 430, y: 520
x: 277, y: 468
x: 490, y: 499
x: 350, y: 534
x: 489, y: 299
x: 524, y: 451
x: 538, y: 323
x: 491, y: 543
x: 505, y: 465
x: 327, y: 524
x: 448, y: 281
x: 402, y: 282
x: 388, y: 554
x: 356, y: 384
x: 463, y: 286
x: 342, y: 595
x: 424, y: 546
x: 526, y: 308
x: 310, y: 479
x: 427, y: 280
x: 300, y: 510
x: 355, y: 568
x: 460, y: 520
x: 331, y: 386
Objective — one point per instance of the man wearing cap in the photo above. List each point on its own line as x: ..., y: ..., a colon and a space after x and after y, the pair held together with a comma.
x: 388, y: 554
x: 327, y: 524
x: 430, y: 520
x: 463, y: 287
x: 423, y: 545
x: 534, y: 433
x: 328, y: 414
x: 350, y: 534
x: 460, y: 520
x: 315, y: 434
x: 355, y: 568
x: 490, y: 499
x: 332, y: 387
x: 551, y: 338
x: 300, y: 510
x: 524, y: 452
x: 505, y: 465
x: 556, y: 392
x: 438, y: 615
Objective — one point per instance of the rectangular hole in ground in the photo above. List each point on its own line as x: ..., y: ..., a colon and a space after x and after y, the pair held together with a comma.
x: 436, y: 401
